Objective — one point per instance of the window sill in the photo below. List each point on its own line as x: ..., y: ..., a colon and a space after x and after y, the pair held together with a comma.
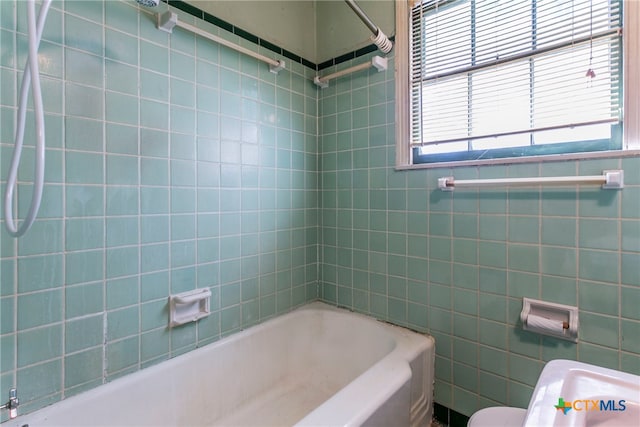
x: 527, y: 159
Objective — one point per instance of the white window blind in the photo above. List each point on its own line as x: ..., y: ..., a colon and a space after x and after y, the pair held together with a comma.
x: 491, y: 74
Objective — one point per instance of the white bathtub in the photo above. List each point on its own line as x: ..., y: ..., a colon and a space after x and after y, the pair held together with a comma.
x: 315, y: 366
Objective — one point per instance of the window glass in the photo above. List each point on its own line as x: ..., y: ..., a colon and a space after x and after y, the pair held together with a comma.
x: 496, y: 78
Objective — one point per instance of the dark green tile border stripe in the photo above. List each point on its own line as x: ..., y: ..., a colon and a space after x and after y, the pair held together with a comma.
x: 449, y: 417
x: 200, y: 14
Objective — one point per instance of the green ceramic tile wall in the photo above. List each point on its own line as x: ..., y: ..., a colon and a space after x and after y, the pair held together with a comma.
x: 197, y: 167
x: 172, y: 163
x: 457, y: 264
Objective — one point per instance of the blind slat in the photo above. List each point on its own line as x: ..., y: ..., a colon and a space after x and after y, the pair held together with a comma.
x: 512, y: 68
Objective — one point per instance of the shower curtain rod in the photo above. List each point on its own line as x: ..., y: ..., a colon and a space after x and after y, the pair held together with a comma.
x: 610, y: 180
x: 168, y: 20
x: 363, y: 17
x: 378, y: 38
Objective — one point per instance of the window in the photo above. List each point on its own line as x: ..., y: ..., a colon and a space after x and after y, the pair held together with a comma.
x: 495, y: 79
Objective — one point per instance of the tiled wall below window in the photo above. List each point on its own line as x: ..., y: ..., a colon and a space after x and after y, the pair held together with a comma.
x: 171, y: 164
x: 457, y: 264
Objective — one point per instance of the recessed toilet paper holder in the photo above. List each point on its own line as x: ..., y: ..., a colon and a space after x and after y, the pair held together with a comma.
x: 189, y: 306
x: 548, y: 318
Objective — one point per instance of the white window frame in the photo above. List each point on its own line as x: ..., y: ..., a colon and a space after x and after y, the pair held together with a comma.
x: 631, y: 97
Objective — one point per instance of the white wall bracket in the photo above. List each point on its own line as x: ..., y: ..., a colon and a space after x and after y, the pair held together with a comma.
x: 613, y: 179
x: 189, y: 306
x: 275, y: 68
x: 166, y: 21
x: 321, y: 83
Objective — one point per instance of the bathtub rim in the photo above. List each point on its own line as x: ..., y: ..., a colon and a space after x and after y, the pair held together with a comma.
x: 405, y: 340
x: 393, y: 369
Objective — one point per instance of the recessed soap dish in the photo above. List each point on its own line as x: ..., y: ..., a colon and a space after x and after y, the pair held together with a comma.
x: 189, y: 306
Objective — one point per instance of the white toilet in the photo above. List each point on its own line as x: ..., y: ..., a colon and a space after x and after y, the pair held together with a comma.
x: 498, y: 416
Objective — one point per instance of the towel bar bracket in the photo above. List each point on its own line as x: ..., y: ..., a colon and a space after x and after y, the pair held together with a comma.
x: 613, y: 179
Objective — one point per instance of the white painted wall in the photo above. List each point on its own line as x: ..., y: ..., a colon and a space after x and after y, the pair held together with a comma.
x: 317, y: 30
x: 340, y: 30
x: 290, y: 24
